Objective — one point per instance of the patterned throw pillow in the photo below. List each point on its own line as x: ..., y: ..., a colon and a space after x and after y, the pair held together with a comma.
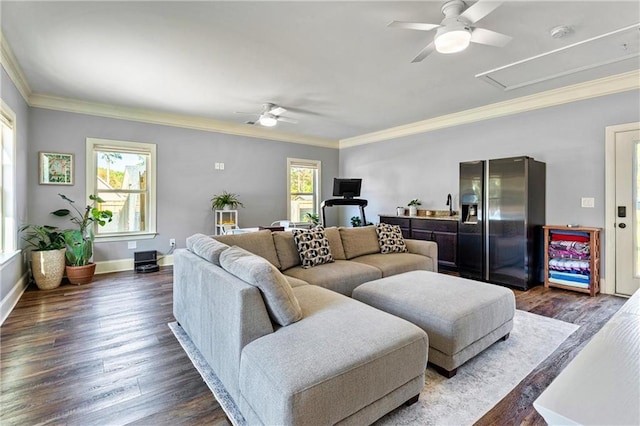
x: 390, y: 238
x: 313, y: 246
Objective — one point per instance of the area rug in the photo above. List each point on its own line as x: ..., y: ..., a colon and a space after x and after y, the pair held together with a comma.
x: 479, y: 385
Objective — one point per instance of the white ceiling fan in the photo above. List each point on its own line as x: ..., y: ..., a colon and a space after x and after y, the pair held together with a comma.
x: 457, y: 29
x: 270, y: 115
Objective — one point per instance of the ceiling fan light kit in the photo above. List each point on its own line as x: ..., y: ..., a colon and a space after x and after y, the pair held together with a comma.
x: 267, y: 120
x: 269, y: 116
x: 458, y: 28
x: 452, y: 40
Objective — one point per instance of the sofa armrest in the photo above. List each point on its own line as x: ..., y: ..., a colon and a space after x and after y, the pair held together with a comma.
x: 424, y: 248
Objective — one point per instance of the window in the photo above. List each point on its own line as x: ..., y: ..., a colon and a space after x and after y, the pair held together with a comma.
x: 8, y: 230
x: 123, y: 174
x: 303, y: 188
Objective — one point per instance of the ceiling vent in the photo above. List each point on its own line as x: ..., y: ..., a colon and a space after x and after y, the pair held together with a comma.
x: 616, y: 50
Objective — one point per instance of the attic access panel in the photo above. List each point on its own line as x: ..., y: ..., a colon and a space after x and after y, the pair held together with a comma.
x: 620, y: 47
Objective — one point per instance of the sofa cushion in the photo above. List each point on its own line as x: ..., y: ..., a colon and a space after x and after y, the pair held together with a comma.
x: 359, y: 241
x: 335, y: 242
x: 281, y: 303
x: 341, y: 276
x: 294, y: 282
x: 342, y: 357
x: 206, y: 247
x: 390, y: 238
x: 286, y: 249
x: 313, y: 246
x: 396, y: 263
x: 259, y: 243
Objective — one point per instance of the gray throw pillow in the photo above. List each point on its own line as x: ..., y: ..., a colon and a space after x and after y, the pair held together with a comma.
x: 390, y: 238
x: 313, y: 246
x: 282, y: 304
x: 206, y: 247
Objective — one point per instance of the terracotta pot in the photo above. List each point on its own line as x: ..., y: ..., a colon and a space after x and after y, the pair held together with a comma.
x: 81, y: 274
x: 47, y: 268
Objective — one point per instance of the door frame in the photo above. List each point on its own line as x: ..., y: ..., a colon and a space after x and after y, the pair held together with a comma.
x: 609, y: 284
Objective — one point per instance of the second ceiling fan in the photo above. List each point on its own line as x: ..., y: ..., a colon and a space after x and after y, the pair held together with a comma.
x: 457, y: 29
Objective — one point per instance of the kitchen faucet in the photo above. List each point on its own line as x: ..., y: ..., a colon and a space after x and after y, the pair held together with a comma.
x: 450, y: 204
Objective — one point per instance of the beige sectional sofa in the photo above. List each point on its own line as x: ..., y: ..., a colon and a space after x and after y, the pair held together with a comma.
x: 356, y: 252
x: 286, y: 342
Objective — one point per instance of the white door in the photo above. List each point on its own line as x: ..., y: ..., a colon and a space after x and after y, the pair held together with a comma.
x: 627, y: 212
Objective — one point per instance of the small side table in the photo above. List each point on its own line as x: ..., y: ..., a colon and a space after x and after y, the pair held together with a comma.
x: 225, y: 221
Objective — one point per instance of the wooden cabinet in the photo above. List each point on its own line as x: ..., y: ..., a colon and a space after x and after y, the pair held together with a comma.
x: 226, y: 220
x: 444, y: 232
x: 572, y: 258
x: 403, y: 222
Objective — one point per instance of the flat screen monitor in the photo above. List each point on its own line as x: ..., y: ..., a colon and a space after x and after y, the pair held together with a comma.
x: 346, y: 187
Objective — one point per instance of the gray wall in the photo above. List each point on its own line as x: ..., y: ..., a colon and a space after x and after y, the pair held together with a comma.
x: 254, y: 168
x: 568, y: 138
x: 13, y: 270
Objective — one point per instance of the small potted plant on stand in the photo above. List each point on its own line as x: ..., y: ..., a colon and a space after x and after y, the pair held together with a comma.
x: 47, y: 255
x: 79, y: 242
x: 413, y: 207
x: 225, y: 201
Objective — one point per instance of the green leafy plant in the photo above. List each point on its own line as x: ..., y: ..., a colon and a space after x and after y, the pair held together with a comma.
x: 414, y: 202
x: 79, y: 241
x: 225, y: 199
x: 314, y: 218
x: 356, y: 221
x: 43, y: 237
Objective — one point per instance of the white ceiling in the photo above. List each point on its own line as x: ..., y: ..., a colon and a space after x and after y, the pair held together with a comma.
x: 335, y: 65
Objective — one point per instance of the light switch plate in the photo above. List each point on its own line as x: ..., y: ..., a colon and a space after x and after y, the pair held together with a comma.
x: 132, y: 245
x: 588, y: 202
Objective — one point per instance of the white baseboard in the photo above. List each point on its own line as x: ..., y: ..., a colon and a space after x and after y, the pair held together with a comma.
x: 126, y: 264
x: 10, y: 300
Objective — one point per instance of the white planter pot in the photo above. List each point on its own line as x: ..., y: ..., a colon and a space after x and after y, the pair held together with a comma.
x: 413, y: 210
x: 47, y: 268
x: 400, y: 211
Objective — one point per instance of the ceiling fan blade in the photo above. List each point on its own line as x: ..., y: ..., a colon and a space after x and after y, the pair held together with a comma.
x: 413, y: 25
x: 277, y: 110
x: 287, y: 120
x: 480, y: 10
x: 428, y: 50
x: 491, y: 38
x: 250, y: 122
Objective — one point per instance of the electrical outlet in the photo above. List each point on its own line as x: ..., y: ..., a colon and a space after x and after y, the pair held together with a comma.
x: 588, y: 202
x: 172, y: 242
x: 132, y: 245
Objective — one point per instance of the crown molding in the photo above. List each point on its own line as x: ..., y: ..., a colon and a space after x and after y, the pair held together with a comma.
x: 577, y: 92
x: 10, y: 65
x: 170, y: 119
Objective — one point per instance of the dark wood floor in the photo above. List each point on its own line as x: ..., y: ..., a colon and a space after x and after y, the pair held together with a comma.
x: 102, y: 354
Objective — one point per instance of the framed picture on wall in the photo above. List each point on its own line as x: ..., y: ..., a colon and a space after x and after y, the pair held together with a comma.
x: 55, y: 168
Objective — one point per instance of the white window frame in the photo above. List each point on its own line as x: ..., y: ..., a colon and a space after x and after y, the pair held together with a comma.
x: 8, y: 207
x: 94, y: 144
x: 317, y: 164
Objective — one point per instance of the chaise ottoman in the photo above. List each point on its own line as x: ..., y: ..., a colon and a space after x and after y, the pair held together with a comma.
x: 461, y: 317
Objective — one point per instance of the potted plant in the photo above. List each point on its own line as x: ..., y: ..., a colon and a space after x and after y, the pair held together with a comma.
x: 47, y: 254
x: 225, y: 201
x: 79, y: 241
x: 413, y: 206
x: 314, y: 218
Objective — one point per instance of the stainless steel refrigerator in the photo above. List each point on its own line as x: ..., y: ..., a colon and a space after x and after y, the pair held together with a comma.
x: 502, y: 210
